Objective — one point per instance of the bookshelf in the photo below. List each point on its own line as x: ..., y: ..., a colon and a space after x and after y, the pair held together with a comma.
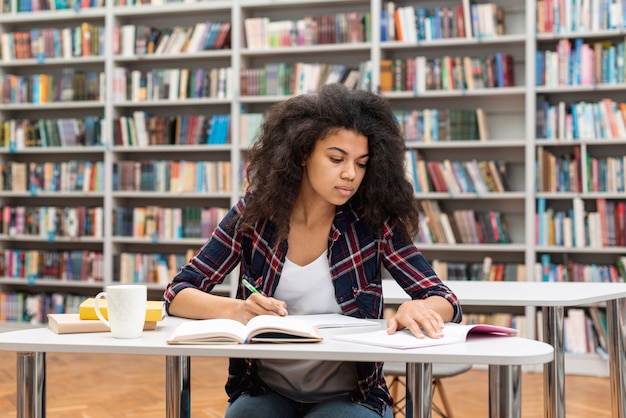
x: 579, y: 159
x: 520, y: 124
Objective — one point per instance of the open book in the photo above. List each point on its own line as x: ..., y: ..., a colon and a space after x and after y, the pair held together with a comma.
x: 452, y: 333
x: 262, y: 328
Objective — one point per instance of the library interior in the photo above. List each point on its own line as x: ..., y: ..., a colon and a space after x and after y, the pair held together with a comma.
x: 126, y: 126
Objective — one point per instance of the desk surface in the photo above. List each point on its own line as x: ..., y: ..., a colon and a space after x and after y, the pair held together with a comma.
x: 520, y: 293
x: 478, y: 350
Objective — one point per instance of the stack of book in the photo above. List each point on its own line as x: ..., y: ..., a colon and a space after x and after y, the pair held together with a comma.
x: 87, y: 321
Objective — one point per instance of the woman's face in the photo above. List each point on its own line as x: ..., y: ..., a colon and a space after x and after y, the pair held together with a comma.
x: 336, y: 167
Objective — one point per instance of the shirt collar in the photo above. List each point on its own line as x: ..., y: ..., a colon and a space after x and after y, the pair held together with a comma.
x: 344, y: 217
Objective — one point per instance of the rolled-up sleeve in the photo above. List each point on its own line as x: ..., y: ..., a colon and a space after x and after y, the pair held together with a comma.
x: 407, y: 265
x: 213, y: 262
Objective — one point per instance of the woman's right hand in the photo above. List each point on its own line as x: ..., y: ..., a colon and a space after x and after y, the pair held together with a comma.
x: 257, y: 304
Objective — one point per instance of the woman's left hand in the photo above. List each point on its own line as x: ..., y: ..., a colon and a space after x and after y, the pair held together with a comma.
x: 420, y: 317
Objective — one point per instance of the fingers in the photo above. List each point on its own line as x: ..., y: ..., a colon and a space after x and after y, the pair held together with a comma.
x: 418, y: 327
x: 419, y: 319
x: 258, y: 304
x: 432, y: 327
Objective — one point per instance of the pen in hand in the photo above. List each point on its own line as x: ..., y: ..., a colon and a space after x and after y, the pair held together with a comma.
x: 248, y: 286
x: 253, y: 289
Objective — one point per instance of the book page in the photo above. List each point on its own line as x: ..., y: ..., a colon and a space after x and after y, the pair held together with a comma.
x: 209, y: 331
x: 403, y: 339
x: 271, y: 328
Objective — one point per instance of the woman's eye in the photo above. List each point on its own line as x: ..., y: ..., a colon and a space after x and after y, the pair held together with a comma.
x: 335, y: 160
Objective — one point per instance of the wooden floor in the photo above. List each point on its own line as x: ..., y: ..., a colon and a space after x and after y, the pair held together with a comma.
x: 102, y: 386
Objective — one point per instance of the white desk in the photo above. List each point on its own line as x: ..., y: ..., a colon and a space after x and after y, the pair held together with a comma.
x: 552, y: 297
x: 504, y: 355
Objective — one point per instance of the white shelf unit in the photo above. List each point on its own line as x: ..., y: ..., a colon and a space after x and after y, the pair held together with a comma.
x: 510, y: 113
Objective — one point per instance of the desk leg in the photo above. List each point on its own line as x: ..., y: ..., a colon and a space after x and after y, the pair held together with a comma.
x: 419, y: 390
x: 177, y: 386
x: 554, y: 371
x: 505, y: 391
x: 616, y: 327
x: 31, y: 385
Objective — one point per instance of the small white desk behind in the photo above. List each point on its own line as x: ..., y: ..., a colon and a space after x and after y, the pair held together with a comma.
x: 552, y: 297
x: 504, y: 355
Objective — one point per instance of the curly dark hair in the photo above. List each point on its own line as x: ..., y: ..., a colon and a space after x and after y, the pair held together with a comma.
x: 288, y: 134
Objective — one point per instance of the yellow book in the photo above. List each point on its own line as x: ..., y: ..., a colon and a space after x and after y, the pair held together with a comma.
x: 155, y: 309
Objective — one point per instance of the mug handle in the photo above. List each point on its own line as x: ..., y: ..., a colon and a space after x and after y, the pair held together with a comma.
x: 98, y: 313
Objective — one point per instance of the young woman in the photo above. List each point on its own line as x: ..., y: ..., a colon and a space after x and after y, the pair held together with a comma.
x: 327, y: 210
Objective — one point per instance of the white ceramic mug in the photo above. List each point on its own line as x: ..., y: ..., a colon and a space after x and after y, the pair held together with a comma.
x: 126, y: 307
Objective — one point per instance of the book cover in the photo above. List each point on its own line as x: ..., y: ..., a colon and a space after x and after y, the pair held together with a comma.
x: 155, y: 309
x: 71, y: 323
x: 262, y: 328
x: 403, y: 339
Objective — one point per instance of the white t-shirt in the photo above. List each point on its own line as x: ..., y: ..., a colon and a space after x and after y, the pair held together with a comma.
x: 308, y: 290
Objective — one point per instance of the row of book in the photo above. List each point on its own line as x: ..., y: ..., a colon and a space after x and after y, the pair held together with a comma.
x: 606, y: 174
x: 171, y: 84
x: 558, y: 173
x: 465, y: 226
x: 17, y: 134
x: 543, y: 270
x: 33, y: 308
x: 585, y: 331
x: 579, y: 63
x: 140, y: 129
x: 158, y: 223
x: 349, y: 27
x: 66, y: 176
x: 434, y: 125
x: 27, y: 6
x: 143, y: 129
x: 142, y: 39
x: 71, y: 85
x: 578, y: 226
x: 486, y: 270
x: 84, y: 40
x: 564, y: 172
x: 421, y: 74
x: 569, y: 271
x: 301, y: 78
x: 419, y: 23
x: 566, y: 16
x: 32, y: 265
x: 181, y: 84
x: 456, y: 177
x: 172, y: 176
x: 446, y: 73
x: 134, y: 268
x: 52, y: 221
x: 417, y: 75
x: 604, y: 119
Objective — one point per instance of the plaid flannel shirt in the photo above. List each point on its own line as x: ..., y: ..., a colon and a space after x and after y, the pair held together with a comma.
x: 356, y: 259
